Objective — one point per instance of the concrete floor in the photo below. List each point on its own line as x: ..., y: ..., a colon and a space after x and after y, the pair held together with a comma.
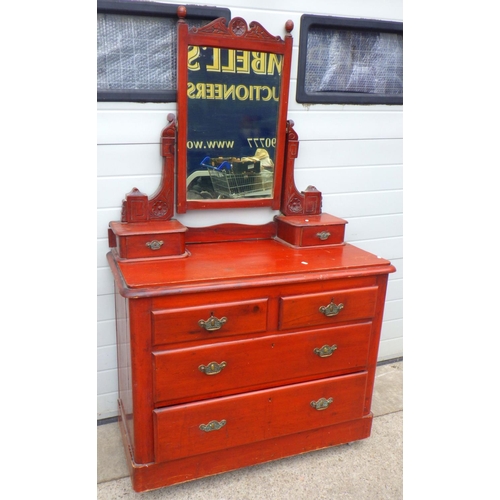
x: 371, y: 469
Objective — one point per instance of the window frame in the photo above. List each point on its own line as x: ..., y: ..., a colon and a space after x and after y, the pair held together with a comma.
x: 309, y: 21
x: 152, y: 9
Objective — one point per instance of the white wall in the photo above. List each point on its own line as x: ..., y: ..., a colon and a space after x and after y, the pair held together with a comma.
x: 353, y: 154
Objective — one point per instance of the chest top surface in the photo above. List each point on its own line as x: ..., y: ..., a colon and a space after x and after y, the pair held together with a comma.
x: 252, y: 262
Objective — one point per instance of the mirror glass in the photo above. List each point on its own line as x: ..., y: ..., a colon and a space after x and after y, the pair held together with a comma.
x: 233, y: 99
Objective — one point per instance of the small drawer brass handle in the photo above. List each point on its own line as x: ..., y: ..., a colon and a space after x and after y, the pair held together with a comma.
x: 212, y: 324
x: 155, y: 244
x: 322, y: 404
x: 324, y: 235
x: 331, y: 309
x: 325, y: 351
x: 212, y: 426
x: 213, y: 368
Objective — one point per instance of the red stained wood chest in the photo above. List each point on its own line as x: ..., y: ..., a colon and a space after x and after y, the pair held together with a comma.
x: 240, y: 352
x: 239, y: 344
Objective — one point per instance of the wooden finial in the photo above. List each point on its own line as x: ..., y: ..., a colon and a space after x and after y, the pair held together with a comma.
x: 289, y: 26
x: 181, y: 11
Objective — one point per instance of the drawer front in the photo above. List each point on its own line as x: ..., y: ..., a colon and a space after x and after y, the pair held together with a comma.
x: 186, y: 374
x: 323, y: 235
x: 311, y: 230
x: 210, y: 321
x: 200, y: 428
x: 303, y: 311
x: 151, y: 245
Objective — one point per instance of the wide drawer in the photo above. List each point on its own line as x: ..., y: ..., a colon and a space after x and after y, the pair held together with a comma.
x: 303, y: 311
x: 209, y: 321
x: 216, y: 424
x: 229, y: 367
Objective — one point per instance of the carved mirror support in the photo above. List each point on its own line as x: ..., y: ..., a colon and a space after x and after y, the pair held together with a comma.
x: 294, y: 202
x: 138, y: 207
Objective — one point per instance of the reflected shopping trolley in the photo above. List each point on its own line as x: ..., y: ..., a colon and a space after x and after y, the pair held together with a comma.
x: 238, y: 178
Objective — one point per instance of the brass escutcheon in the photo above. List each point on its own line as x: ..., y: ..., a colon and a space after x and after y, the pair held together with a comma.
x: 324, y: 235
x: 155, y: 244
x: 322, y: 404
x: 325, y: 351
x: 331, y: 309
x: 213, y: 368
x: 213, y: 426
x: 212, y: 324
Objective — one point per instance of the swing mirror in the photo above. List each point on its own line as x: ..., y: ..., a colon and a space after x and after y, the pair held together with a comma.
x: 233, y: 84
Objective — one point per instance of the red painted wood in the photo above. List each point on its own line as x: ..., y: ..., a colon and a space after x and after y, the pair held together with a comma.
x: 136, y: 240
x: 305, y: 230
x: 319, y: 221
x: 261, y: 362
x: 182, y: 324
x: 310, y: 236
x: 139, y: 358
x: 182, y: 56
x: 269, y: 281
x: 161, y: 204
x: 157, y: 475
x: 121, y: 229
x: 262, y: 280
x: 293, y: 202
x: 303, y: 311
x: 256, y: 416
x: 136, y: 206
x: 230, y: 232
x: 273, y: 289
x: 236, y: 264
x: 143, y: 246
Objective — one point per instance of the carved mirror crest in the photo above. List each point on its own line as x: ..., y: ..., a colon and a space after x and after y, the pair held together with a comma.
x: 233, y: 84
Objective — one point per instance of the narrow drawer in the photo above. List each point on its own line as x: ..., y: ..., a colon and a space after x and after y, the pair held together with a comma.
x: 134, y: 247
x: 209, y: 321
x: 303, y: 311
x: 201, y: 428
x: 327, y: 235
x: 205, y: 371
x: 311, y: 230
x: 148, y: 239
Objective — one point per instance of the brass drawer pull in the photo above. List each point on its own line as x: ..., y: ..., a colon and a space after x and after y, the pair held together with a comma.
x: 322, y: 404
x: 213, y: 426
x: 155, y: 244
x: 325, y: 351
x: 324, y: 235
x: 331, y: 309
x: 213, y: 368
x: 212, y: 324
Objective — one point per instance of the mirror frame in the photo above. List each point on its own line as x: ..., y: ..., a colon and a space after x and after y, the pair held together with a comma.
x: 236, y: 35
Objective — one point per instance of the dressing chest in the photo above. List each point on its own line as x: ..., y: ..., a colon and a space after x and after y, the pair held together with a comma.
x: 239, y: 344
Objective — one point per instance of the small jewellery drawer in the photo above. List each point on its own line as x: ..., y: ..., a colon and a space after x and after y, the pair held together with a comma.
x: 205, y: 371
x: 151, y: 245
x: 216, y: 424
x: 329, y: 235
x: 209, y: 321
x: 148, y: 239
x: 311, y: 230
x: 303, y: 311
